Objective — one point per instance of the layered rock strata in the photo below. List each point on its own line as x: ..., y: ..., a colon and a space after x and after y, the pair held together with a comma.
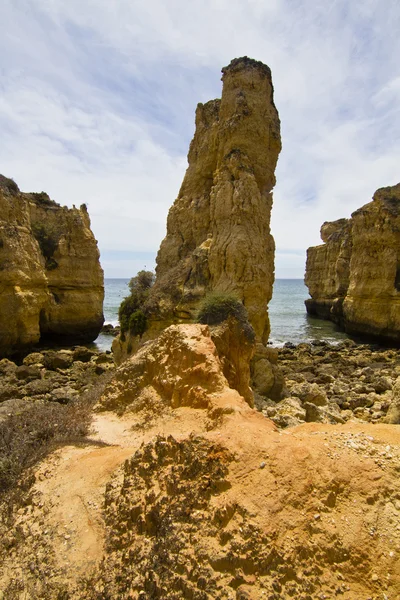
x: 354, y: 278
x: 218, y: 229
x: 51, y: 281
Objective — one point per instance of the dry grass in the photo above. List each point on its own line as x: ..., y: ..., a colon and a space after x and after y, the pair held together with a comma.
x: 29, y: 435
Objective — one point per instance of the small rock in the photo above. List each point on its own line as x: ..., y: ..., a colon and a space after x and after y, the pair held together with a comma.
x: 34, y: 358
x: 27, y: 372
x: 57, y: 360
x: 83, y: 354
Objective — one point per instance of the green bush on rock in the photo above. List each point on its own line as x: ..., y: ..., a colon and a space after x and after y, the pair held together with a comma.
x: 131, y: 315
x: 218, y: 307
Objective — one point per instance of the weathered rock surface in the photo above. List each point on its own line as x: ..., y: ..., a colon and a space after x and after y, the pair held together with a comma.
x: 336, y: 384
x: 328, y: 270
x: 218, y: 230
x: 354, y: 278
x: 51, y: 282
x: 198, y: 496
x: 184, y: 366
x: 50, y: 376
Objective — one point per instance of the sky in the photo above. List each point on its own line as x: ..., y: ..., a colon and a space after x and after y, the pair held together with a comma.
x: 97, y: 103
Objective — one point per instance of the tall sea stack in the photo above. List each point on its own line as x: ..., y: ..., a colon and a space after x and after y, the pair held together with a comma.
x: 218, y: 229
x: 51, y: 281
x: 354, y: 278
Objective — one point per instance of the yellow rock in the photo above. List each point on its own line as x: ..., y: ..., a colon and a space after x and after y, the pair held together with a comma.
x: 354, y: 278
x: 218, y: 230
x: 51, y: 282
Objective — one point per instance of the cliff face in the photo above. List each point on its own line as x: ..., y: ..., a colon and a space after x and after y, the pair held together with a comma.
x: 328, y: 269
x: 372, y: 303
x: 51, y: 282
x: 218, y: 235
x: 364, y: 299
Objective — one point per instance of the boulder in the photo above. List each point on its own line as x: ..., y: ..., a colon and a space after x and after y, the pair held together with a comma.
x: 393, y: 413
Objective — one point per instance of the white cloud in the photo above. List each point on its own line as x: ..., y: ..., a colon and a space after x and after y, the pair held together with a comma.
x: 97, y: 105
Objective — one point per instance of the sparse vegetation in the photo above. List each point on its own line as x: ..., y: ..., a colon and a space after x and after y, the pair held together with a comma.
x: 219, y: 306
x: 42, y: 198
x: 47, y: 243
x: 27, y: 436
x: 132, y: 316
x: 9, y: 185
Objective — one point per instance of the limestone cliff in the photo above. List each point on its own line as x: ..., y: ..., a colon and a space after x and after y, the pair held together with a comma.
x: 51, y: 282
x: 218, y: 229
x: 327, y: 270
x: 354, y: 279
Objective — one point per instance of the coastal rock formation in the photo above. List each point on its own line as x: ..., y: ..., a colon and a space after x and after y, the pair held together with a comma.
x: 183, y: 367
x: 191, y: 493
x: 328, y: 270
x: 51, y: 282
x: 372, y: 303
x: 218, y: 230
x: 354, y: 278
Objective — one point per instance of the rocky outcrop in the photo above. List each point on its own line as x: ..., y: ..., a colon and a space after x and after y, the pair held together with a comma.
x: 336, y: 384
x: 328, y: 269
x: 218, y: 230
x: 50, y: 376
x: 184, y: 366
x: 193, y: 494
x: 51, y: 282
x: 354, y: 278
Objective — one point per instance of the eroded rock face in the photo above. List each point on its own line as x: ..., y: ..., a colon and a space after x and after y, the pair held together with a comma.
x: 193, y: 494
x: 218, y: 229
x: 328, y: 269
x: 354, y: 278
x: 184, y: 366
x: 51, y: 282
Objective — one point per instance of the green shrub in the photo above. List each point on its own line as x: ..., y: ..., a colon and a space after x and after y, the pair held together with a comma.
x: 128, y: 306
x: 47, y: 243
x: 219, y: 306
x: 42, y: 198
x: 141, y: 282
x: 131, y: 314
x: 138, y: 323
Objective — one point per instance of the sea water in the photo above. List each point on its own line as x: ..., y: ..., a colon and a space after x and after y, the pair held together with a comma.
x: 289, y: 320
x: 287, y: 313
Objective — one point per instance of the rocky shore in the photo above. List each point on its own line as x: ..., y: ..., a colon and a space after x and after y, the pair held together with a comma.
x: 50, y: 376
x: 185, y: 491
x: 319, y: 382
x: 336, y: 383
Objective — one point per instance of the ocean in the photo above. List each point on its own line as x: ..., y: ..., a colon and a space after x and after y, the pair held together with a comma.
x: 287, y: 313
